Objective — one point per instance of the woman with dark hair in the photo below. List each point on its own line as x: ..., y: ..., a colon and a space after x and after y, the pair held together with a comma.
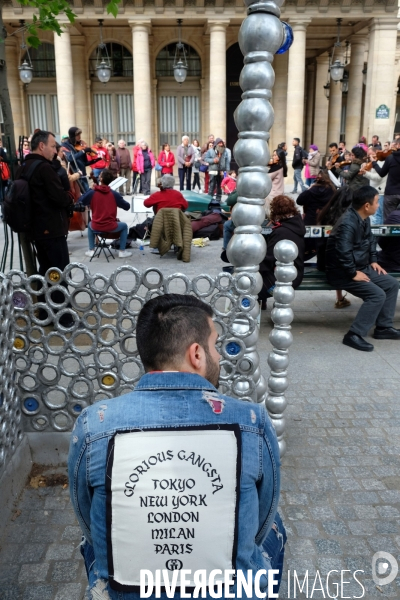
x: 166, y: 160
x: 313, y: 200
x: 352, y: 177
x: 287, y: 224
x: 277, y: 172
x: 316, y: 197
x: 329, y: 215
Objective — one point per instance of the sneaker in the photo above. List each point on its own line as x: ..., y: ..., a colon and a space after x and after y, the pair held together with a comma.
x: 199, y: 192
x: 124, y: 254
x: 89, y: 253
x: 293, y: 192
x: 343, y: 303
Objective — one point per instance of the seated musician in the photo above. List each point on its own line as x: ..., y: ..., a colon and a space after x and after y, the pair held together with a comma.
x: 103, y: 202
x: 167, y: 197
x: 175, y: 475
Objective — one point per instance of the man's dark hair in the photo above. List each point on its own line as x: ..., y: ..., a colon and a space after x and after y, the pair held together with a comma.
x: 107, y: 176
x: 359, y: 152
x: 333, y: 145
x: 364, y: 194
x: 38, y: 137
x: 98, y: 139
x: 375, y: 136
x: 297, y: 140
x: 167, y: 325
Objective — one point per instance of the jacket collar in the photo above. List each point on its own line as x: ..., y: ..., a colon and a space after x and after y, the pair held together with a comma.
x: 159, y: 380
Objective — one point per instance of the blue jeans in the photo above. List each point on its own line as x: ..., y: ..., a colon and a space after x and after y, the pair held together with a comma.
x: 96, y: 172
x: 310, y: 181
x: 377, y: 218
x: 229, y: 229
x: 122, y: 227
x: 298, y: 180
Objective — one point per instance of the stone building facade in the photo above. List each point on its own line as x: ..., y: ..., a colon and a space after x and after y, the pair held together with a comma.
x: 142, y: 99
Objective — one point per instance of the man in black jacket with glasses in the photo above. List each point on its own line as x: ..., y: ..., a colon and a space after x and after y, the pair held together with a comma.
x: 351, y: 264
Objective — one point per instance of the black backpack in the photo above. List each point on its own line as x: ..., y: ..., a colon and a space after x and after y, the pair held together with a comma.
x: 17, y: 209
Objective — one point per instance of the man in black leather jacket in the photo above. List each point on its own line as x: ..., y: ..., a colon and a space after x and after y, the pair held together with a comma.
x: 351, y: 264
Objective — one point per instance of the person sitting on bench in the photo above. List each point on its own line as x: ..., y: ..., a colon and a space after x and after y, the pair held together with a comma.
x: 103, y: 202
x: 351, y: 264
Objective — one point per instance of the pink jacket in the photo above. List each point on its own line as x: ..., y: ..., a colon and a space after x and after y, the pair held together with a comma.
x: 140, y: 160
x: 228, y: 185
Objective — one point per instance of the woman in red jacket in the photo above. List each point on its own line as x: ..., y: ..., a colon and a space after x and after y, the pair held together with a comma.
x: 166, y: 160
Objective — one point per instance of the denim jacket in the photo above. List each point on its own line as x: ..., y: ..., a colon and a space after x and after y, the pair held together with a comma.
x: 177, y: 400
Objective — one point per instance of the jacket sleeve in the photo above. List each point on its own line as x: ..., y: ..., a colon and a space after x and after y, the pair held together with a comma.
x: 373, y: 177
x: 351, y: 172
x: 179, y: 156
x: 302, y: 199
x: 80, y: 492
x: 268, y: 487
x: 53, y: 188
x: 383, y: 170
x: 314, y: 161
x: 209, y: 157
x: 161, y: 159
x: 149, y: 202
x: 373, y: 255
x: 86, y: 198
x: 152, y: 159
x: 344, y: 244
x: 121, y: 203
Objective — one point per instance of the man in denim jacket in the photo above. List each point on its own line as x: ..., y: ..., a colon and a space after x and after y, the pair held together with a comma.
x: 175, y: 476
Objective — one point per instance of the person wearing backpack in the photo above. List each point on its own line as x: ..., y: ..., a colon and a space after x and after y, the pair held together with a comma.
x: 49, y: 206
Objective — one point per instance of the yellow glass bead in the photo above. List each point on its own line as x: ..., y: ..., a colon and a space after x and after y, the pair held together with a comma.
x: 108, y: 380
x: 19, y: 343
x: 54, y: 276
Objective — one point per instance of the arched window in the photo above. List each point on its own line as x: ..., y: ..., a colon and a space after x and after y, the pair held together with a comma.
x: 43, y: 60
x: 120, y: 57
x: 165, y: 61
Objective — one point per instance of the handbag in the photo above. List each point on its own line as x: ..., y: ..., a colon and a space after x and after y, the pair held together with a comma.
x: 158, y: 167
x: 5, y: 171
x: 197, y: 164
x: 203, y: 168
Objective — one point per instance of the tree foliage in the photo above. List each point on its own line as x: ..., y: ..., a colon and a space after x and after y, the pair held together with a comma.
x: 47, y: 15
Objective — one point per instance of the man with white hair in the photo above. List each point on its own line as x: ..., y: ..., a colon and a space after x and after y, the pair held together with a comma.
x: 125, y: 164
x: 185, y: 155
x: 167, y: 197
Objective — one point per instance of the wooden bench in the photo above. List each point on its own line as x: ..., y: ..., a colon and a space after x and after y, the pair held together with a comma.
x: 316, y: 280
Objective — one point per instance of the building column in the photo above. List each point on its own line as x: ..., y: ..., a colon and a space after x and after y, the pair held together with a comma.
x: 335, y: 106
x: 381, y: 63
x: 355, y: 94
x: 205, y: 89
x: 142, y: 80
x: 13, y: 82
x: 309, y: 104
x: 217, y: 30
x: 296, y: 84
x: 278, y: 101
x: 321, y: 106
x: 65, y: 80
x: 82, y: 113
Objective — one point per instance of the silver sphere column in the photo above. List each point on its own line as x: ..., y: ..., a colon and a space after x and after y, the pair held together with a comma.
x: 280, y: 337
x: 261, y: 36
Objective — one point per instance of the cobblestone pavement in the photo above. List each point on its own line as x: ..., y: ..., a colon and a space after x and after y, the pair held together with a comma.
x: 340, y: 477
